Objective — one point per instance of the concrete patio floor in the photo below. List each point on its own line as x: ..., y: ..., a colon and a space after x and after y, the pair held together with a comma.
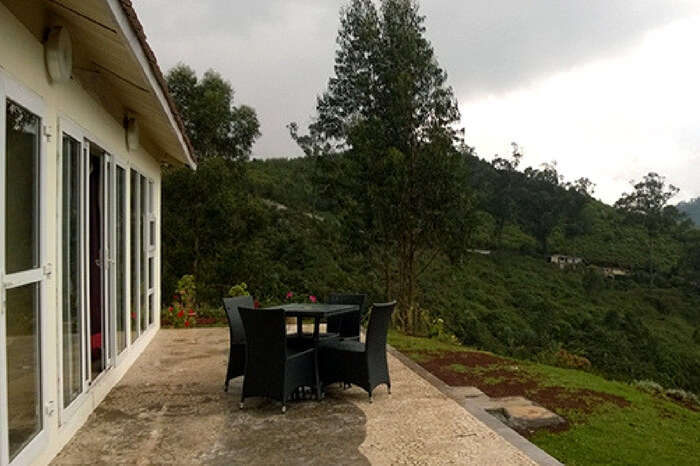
x: 170, y: 408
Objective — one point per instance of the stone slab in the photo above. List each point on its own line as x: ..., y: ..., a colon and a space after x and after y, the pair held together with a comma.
x: 531, y: 417
x: 467, y: 392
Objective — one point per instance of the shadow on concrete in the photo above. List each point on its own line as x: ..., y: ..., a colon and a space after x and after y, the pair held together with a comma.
x: 171, y: 408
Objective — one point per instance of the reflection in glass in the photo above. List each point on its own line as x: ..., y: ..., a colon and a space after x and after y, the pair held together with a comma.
x: 120, y: 259
x: 144, y: 261
x: 134, y: 249
x: 23, y: 366
x: 97, y: 289
x: 21, y: 189
x: 71, y: 279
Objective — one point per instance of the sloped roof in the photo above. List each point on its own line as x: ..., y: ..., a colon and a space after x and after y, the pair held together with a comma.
x: 137, y: 27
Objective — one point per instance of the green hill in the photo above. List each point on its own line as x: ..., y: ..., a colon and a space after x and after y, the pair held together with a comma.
x: 269, y: 224
x: 691, y: 209
x: 513, y: 302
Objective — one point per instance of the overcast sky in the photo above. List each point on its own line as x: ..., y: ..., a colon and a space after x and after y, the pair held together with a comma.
x: 610, y: 89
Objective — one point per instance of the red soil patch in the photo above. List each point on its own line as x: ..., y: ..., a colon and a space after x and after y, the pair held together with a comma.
x: 510, y: 381
x: 579, y: 399
x: 498, y: 377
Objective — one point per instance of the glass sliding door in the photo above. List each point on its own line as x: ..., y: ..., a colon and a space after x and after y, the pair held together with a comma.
x: 71, y: 270
x: 21, y: 419
x: 151, y: 242
x: 143, y: 260
x: 120, y: 259
x: 135, y: 247
x: 96, y: 261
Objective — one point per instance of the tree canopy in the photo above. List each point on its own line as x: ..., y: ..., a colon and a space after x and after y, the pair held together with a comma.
x: 213, y: 124
x: 387, y: 120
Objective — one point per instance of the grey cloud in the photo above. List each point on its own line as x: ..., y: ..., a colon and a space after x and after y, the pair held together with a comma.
x: 278, y: 54
x: 489, y: 46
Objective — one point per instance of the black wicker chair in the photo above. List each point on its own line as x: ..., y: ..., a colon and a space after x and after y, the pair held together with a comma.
x: 236, y: 356
x: 272, y: 368
x: 347, y: 325
x: 362, y: 364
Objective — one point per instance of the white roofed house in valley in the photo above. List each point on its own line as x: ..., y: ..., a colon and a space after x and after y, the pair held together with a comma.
x: 86, y: 123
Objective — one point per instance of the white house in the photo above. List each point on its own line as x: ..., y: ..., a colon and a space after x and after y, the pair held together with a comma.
x: 85, y: 125
x: 564, y: 261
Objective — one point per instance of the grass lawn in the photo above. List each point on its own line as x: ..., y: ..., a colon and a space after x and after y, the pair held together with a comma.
x: 608, y: 422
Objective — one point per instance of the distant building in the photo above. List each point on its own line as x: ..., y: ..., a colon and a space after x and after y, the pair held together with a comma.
x: 564, y: 261
x: 613, y: 272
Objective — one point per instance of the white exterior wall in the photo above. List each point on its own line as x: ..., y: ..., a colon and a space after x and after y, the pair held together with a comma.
x: 22, y: 61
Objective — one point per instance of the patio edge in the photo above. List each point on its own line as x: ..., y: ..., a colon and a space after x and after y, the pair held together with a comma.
x: 531, y: 450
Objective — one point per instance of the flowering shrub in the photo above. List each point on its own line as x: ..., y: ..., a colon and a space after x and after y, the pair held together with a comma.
x: 289, y: 297
x: 182, y: 311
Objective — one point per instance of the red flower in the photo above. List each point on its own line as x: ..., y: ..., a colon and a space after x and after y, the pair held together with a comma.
x: 181, y: 313
x: 312, y: 298
x: 133, y: 315
x: 191, y: 313
x: 175, y: 296
x: 170, y: 309
x: 256, y: 304
x: 290, y: 295
x: 187, y: 323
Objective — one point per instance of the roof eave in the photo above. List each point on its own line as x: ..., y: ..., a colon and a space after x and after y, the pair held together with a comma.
x: 128, y: 22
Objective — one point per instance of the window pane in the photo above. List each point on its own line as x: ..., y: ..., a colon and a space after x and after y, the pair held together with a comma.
x: 151, y: 263
x: 144, y: 259
x: 21, y: 189
x: 23, y: 366
x: 150, y: 197
x: 120, y: 259
x: 152, y: 232
x: 151, y: 306
x: 134, y: 249
x: 71, y: 280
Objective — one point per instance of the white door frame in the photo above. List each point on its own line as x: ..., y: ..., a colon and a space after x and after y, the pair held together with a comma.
x: 68, y: 127
x: 119, y: 163
x: 35, y: 104
x: 109, y: 271
x: 104, y: 273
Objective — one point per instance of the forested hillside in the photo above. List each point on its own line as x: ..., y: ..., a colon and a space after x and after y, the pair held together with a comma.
x: 271, y: 225
x: 512, y: 301
x: 691, y: 209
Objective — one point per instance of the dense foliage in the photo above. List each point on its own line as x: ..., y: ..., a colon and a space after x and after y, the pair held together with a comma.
x: 385, y: 140
x: 691, y: 209
x: 513, y: 302
x: 213, y: 124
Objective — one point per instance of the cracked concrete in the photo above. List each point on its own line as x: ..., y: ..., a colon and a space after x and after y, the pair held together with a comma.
x: 170, y: 407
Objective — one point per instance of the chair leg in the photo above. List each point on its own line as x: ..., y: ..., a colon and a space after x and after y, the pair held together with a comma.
x: 388, y: 388
x: 370, y: 397
x: 317, y: 375
x: 284, y: 408
x: 241, y: 404
x: 226, y: 386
